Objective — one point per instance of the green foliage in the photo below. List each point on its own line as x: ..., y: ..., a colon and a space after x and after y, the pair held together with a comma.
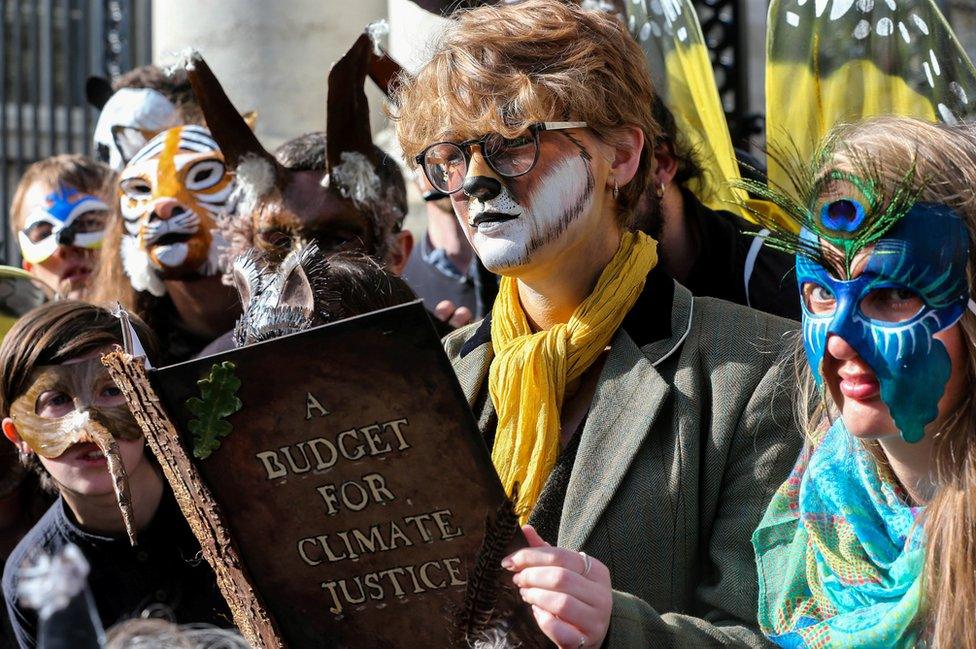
x: 218, y: 399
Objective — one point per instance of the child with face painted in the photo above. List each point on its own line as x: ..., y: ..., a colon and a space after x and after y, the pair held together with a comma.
x: 872, y: 540
x: 60, y: 405
x: 645, y: 429
x: 58, y: 214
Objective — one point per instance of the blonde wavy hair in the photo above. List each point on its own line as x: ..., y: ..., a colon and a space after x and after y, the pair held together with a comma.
x: 157, y: 633
x: 944, y: 159
x: 501, y: 68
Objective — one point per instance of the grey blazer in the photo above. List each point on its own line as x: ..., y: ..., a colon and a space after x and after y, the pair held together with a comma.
x: 689, y: 433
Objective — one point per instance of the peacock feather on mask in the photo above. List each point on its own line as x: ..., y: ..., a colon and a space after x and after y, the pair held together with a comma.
x: 850, y: 206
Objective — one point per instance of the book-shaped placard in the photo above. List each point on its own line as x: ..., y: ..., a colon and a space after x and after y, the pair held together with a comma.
x: 339, y: 486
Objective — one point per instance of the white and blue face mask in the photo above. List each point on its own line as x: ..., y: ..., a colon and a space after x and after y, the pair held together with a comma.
x: 922, y: 258
x: 67, y: 217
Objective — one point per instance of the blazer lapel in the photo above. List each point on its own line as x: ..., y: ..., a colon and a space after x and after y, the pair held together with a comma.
x: 628, y: 397
x: 625, y: 406
x: 471, y: 365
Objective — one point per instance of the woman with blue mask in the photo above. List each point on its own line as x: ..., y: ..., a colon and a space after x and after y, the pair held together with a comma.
x: 870, y: 542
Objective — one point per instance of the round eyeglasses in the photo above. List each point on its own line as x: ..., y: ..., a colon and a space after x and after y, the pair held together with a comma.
x: 446, y: 163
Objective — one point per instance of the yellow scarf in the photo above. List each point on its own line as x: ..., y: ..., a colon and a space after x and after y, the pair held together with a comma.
x: 527, y: 379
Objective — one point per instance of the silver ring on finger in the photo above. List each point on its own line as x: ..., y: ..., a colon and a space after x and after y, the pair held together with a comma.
x: 582, y: 642
x: 587, y: 565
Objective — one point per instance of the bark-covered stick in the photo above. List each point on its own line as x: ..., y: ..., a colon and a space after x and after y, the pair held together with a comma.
x: 197, y: 503
x: 120, y: 480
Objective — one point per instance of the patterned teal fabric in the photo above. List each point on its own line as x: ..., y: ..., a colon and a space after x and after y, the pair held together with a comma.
x: 839, y: 553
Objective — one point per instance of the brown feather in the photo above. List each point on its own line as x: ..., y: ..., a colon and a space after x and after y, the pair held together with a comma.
x: 481, y: 595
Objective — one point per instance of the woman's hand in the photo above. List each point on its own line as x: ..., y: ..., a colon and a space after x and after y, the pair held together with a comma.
x: 452, y: 314
x: 569, y: 591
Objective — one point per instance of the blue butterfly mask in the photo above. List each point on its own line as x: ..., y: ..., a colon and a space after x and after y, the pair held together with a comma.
x: 926, y: 253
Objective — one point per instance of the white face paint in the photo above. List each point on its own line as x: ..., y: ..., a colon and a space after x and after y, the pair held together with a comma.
x: 506, y: 234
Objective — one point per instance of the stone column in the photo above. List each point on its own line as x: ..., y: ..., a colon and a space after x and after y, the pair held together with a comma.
x: 272, y: 57
x: 413, y: 33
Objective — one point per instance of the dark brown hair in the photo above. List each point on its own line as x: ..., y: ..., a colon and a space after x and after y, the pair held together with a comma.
x: 172, y: 84
x: 80, y: 172
x: 677, y: 145
x: 54, y: 333
x: 363, y: 284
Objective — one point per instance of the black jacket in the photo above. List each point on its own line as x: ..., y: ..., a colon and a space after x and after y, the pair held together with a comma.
x: 736, y: 266
x: 165, y: 568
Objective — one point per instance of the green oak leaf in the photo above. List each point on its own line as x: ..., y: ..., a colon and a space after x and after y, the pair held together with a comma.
x: 218, y: 399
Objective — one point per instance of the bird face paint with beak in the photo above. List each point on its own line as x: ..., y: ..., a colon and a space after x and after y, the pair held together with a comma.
x: 93, y: 412
x: 510, y: 226
x: 171, y: 194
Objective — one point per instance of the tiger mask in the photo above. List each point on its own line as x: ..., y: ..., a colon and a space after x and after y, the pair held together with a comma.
x: 171, y: 195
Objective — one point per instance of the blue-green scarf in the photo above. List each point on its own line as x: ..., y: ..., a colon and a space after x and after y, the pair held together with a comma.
x: 839, y: 553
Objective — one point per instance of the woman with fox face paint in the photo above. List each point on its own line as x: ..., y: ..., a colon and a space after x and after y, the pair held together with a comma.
x: 602, y: 387
x: 870, y: 541
x: 61, y: 409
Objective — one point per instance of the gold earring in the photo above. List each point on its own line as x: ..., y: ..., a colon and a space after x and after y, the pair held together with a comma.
x: 616, y: 190
x: 660, y: 190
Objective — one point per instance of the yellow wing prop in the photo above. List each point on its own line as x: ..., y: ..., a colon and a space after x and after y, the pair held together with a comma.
x: 835, y: 61
x: 19, y: 293
x: 671, y: 37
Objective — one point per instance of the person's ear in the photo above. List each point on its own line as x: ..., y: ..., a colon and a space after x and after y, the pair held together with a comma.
x: 10, y: 432
x: 626, y: 157
x: 664, y: 165
x: 401, y: 252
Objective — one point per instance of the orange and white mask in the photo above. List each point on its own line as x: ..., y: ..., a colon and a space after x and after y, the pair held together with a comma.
x: 171, y: 195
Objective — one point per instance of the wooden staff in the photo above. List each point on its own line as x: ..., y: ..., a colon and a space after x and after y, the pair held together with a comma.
x: 195, y: 500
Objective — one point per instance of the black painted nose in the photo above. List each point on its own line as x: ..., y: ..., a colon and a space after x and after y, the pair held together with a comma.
x: 66, y: 237
x: 483, y: 188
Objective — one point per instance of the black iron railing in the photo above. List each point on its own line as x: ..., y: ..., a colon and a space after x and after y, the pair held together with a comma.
x: 722, y: 23
x: 48, y: 48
